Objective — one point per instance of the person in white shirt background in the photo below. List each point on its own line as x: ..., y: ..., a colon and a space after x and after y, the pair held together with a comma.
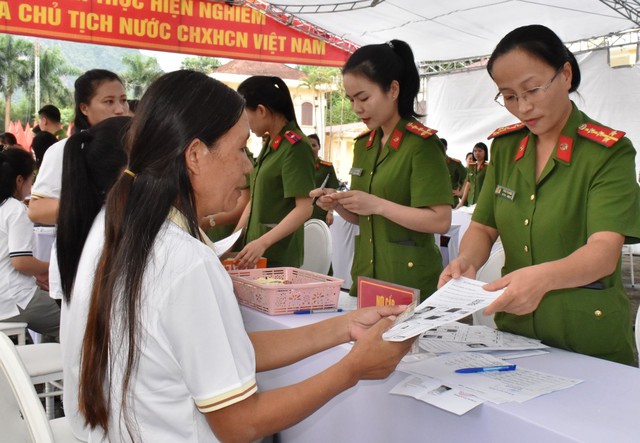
x: 21, y: 300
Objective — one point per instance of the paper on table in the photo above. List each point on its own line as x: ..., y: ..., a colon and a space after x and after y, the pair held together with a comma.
x: 458, y: 337
x: 222, y: 246
x: 499, y: 387
x: 455, y: 300
x: 433, y: 392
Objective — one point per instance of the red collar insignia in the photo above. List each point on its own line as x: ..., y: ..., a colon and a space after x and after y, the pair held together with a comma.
x: 396, y: 139
x: 522, y: 148
x: 372, y: 136
x: 275, y: 144
x: 565, y: 148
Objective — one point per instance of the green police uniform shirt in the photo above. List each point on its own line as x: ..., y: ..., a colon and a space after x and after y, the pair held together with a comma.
x: 475, y: 176
x: 284, y: 171
x: 587, y: 186
x: 458, y: 174
x: 409, y: 170
x: 322, y: 168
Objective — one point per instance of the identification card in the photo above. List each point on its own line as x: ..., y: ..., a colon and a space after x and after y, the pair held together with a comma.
x: 355, y: 171
x: 504, y: 192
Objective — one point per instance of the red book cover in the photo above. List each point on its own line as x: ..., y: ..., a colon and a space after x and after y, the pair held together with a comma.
x: 372, y: 292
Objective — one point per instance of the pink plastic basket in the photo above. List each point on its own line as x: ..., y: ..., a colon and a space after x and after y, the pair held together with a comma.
x: 307, y: 290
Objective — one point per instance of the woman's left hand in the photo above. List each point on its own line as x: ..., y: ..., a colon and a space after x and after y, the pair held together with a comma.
x: 360, y: 320
x: 525, y: 289
x: 358, y: 202
x: 250, y: 254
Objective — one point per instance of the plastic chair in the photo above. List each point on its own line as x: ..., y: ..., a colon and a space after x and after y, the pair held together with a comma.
x: 15, y: 328
x: 317, y: 247
x: 22, y: 418
x: 43, y: 363
x: 490, y: 271
x: 637, y: 329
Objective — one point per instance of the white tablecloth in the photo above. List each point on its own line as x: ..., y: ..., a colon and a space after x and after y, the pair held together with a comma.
x: 605, y: 408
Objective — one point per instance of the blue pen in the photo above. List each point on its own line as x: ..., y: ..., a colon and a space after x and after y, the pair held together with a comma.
x: 318, y: 311
x: 486, y: 369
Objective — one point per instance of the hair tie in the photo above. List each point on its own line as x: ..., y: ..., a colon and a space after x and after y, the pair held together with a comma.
x: 390, y: 44
x: 130, y: 172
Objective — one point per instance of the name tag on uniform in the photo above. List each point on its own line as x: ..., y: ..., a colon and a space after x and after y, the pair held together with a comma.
x: 504, y: 192
x: 355, y: 171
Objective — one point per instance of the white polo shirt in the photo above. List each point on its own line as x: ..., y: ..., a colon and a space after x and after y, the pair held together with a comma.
x: 195, y: 355
x: 16, y: 240
x: 49, y: 180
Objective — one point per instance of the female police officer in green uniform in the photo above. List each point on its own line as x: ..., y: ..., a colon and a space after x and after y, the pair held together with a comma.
x: 281, y: 180
x: 400, y: 187
x: 476, y: 173
x: 560, y: 191
x: 322, y: 170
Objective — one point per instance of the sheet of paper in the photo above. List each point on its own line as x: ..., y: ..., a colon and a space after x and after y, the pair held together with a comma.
x: 455, y: 300
x: 222, y: 246
x: 458, y: 337
x: 499, y: 387
x: 431, y: 391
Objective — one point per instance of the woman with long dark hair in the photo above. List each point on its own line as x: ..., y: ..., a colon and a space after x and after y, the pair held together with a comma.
x: 560, y: 192
x: 98, y: 94
x: 476, y: 173
x: 165, y: 355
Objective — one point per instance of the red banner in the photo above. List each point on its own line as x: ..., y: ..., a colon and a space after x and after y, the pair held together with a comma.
x: 199, y: 27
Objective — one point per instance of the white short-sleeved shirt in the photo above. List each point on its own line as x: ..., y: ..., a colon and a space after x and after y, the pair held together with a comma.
x: 49, y: 180
x: 16, y: 240
x: 195, y: 355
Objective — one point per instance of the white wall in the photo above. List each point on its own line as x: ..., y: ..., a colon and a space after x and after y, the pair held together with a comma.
x: 461, y: 107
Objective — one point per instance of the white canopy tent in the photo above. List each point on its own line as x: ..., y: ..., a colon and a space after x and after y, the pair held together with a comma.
x: 460, y: 104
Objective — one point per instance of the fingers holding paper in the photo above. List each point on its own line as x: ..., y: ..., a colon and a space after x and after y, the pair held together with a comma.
x: 357, y: 202
x: 363, y: 319
x: 525, y: 288
x: 322, y: 198
x: 456, y: 269
x: 373, y: 358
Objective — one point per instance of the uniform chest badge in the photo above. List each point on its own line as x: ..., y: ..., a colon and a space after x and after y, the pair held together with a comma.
x: 504, y: 192
x: 355, y: 171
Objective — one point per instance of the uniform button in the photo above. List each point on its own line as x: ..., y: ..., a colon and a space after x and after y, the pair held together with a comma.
x: 368, y: 218
x: 526, y: 248
x: 526, y: 222
x: 410, y: 264
x: 371, y: 261
x: 371, y: 173
x: 597, y: 313
x: 533, y: 197
x: 370, y: 240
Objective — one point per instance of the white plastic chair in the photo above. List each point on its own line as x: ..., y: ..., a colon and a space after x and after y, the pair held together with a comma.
x: 22, y: 418
x: 490, y: 271
x: 637, y: 329
x: 317, y: 247
x: 43, y: 363
x: 16, y: 328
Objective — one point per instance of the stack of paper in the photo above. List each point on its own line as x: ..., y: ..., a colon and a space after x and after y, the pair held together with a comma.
x: 435, y: 381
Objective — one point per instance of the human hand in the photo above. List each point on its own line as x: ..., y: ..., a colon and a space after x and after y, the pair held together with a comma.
x: 360, y: 320
x: 42, y: 280
x: 250, y: 254
x: 456, y: 269
x: 373, y: 358
x: 358, y: 202
x: 323, y: 201
x: 329, y: 218
x: 525, y: 289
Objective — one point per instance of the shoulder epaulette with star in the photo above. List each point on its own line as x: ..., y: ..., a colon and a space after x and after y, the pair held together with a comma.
x: 506, y: 130
x: 600, y: 134
x: 420, y: 129
x: 367, y: 132
x: 292, y: 136
x: 326, y: 163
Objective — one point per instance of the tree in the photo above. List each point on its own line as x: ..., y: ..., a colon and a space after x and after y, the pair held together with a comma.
x: 53, y: 67
x: 141, y: 71
x: 206, y: 65
x: 16, y: 68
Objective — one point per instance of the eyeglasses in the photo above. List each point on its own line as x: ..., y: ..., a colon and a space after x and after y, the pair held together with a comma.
x: 530, y: 96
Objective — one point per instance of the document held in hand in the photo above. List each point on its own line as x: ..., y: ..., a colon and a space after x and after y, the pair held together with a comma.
x: 455, y: 300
